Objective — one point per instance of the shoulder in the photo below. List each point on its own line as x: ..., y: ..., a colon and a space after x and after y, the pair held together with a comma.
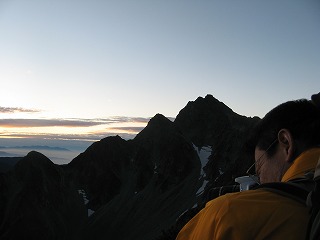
x: 231, y: 206
x: 228, y: 216
x: 247, y: 200
x: 238, y: 196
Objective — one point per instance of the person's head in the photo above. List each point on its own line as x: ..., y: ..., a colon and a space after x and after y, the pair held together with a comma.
x: 282, y: 135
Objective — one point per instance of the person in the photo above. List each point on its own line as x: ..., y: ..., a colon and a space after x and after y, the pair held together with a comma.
x: 286, y: 147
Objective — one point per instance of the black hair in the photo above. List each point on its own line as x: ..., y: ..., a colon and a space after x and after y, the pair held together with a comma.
x: 300, y: 117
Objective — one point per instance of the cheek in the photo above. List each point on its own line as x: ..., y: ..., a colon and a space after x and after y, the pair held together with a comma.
x: 262, y: 175
x: 267, y: 173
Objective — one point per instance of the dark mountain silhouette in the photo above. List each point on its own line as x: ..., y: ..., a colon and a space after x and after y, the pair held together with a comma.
x: 141, y: 185
x: 139, y: 188
x: 210, y: 122
x: 37, y: 202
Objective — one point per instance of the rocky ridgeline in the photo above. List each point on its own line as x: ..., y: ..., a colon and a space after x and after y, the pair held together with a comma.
x: 137, y: 188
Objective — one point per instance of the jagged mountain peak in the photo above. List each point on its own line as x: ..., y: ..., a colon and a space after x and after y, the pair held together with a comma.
x: 100, y: 148
x: 206, y: 104
x: 34, y: 155
x: 158, y: 125
x: 35, y: 159
x: 207, y: 121
x: 35, y: 165
x: 110, y: 140
x: 159, y: 119
x: 208, y: 97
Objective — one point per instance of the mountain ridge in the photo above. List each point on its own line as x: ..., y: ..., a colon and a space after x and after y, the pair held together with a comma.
x: 138, y: 188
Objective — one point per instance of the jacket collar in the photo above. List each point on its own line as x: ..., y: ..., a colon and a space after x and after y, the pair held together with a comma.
x: 305, y: 162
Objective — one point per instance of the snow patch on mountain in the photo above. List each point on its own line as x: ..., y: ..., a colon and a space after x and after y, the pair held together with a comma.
x: 204, y: 154
x: 85, y: 200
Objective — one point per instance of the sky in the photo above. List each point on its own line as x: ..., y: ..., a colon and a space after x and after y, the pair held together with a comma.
x: 73, y: 72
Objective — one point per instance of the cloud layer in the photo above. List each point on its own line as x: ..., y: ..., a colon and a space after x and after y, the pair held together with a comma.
x: 12, y: 123
x: 72, y: 129
x: 67, y: 129
x: 17, y: 109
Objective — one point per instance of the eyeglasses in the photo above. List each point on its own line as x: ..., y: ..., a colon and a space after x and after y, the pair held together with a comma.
x: 254, y: 175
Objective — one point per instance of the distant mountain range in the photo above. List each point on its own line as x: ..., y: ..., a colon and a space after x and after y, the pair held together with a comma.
x: 36, y: 147
x: 6, y: 154
x: 144, y: 188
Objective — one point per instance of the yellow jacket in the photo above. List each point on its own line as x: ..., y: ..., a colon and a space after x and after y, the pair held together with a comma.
x: 254, y: 214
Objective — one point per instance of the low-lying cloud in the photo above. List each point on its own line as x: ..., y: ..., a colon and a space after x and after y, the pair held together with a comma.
x: 76, y: 137
x: 125, y: 127
x: 47, y: 123
x: 28, y: 123
x: 17, y: 109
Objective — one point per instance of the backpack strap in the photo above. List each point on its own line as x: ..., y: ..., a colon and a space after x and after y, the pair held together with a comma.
x: 292, y: 190
x: 313, y: 201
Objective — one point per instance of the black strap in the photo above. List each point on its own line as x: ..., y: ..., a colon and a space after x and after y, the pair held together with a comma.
x: 287, y: 189
x: 300, y: 191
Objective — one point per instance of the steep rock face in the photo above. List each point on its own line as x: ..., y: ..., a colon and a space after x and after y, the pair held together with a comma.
x: 100, y: 169
x: 205, y: 120
x: 143, y: 185
x: 36, y: 202
x: 165, y: 150
x: 210, y: 122
x: 157, y: 183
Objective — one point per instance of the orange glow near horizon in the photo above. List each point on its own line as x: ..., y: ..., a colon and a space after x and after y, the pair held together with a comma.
x: 72, y: 132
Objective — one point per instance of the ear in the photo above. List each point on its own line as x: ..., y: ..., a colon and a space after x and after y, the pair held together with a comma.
x: 286, y: 144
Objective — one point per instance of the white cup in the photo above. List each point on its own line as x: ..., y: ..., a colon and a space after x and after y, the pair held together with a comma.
x: 245, y: 182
